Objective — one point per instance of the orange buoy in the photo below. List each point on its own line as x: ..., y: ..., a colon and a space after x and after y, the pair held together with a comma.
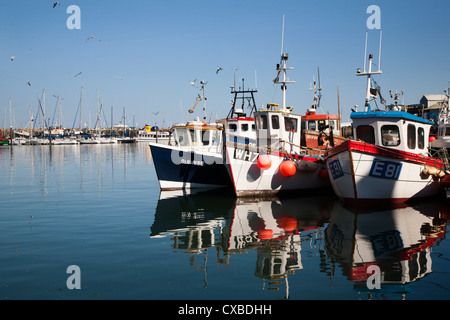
x: 265, y: 234
x: 287, y: 223
x: 323, y: 174
x: 264, y: 162
x: 288, y: 168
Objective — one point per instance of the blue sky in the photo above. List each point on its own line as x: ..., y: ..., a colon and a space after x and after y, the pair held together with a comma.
x: 145, y: 53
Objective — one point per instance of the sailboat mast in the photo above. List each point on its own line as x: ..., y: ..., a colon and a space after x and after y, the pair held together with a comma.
x: 81, y: 100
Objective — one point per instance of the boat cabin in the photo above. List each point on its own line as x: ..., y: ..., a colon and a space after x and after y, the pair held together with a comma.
x: 198, y: 134
x: 321, y: 122
x: 241, y: 130
x: 277, y: 128
x: 394, y: 129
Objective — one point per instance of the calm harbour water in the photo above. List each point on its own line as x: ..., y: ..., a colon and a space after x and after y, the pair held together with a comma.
x: 99, y: 207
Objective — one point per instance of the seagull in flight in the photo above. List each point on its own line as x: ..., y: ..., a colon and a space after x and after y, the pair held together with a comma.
x: 118, y: 77
x: 91, y: 37
x: 55, y: 4
x: 218, y: 69
x: 193, y: 82
x: 12, y: 58
x: 29, y: 83
x: 77, y: 74
x: 155, y: 113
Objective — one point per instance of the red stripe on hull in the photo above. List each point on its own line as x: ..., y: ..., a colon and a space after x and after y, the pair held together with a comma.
x: 383, y: 151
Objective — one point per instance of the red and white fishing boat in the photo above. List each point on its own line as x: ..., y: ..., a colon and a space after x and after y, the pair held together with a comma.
x: 278, y: 162
x: 389, y: 159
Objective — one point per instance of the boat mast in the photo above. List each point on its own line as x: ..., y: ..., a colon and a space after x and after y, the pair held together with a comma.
x: 81, y: 100
x: 369, y: 73
x: 281, y: 68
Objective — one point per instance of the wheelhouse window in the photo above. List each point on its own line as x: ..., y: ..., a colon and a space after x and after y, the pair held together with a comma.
x: 322, y: 125
x: 244, y: 127
x: 182, y: 137
x: 275, y: 122
x: 421, y: 138
x: 290, y: 124
x: 390, y: 135
x: 193, y: 136
x: 206, y: 134
x: 312, y: 125
x: 366, y: 133
x: 263, y: 121
x: 232, y: 126
x: 333, y: 124
x: 411, y: 134
x: 447, y: 131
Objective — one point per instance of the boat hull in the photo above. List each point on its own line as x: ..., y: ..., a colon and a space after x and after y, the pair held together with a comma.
x: 363, y: 172
x: 178, y: 168
x: 249, y: 180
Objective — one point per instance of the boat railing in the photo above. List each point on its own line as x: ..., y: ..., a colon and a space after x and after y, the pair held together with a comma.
x: 270, y: 149
x: 441, y: 154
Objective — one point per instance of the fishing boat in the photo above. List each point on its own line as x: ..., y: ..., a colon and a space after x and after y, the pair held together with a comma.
x: 442, y: 139
x: 194, y: 160
x: 278, y: 162
x: 4, y: 141
x: 389, y: 158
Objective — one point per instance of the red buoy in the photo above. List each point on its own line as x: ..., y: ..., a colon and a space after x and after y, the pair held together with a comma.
x: 265, y: 234
x: 288, y: 168
x: 287, y: 223
x: 431, y: 138
x: 264, y: 162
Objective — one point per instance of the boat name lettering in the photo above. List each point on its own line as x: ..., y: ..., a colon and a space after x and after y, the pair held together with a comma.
x: 385, y: 169
x: 335, y: 169
x: 194, y: 162
x: 245, y: 155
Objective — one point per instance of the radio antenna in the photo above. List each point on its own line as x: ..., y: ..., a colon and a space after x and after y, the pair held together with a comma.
x: 282, y: 35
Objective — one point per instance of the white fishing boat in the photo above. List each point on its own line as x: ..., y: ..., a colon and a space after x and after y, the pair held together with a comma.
x: 278, y: 162
x: 148, y: 135
x: 389, y: 159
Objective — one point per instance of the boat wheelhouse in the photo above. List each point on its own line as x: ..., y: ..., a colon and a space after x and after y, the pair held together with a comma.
x: 320, y: 131
x: 240, y: 127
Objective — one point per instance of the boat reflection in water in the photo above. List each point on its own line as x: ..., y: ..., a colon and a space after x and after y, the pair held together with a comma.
x: 341, y: 242
x: 396, y: 240
x: 274, y: 228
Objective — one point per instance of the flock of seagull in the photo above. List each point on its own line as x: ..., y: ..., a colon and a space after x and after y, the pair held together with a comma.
x: 12, y: 58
